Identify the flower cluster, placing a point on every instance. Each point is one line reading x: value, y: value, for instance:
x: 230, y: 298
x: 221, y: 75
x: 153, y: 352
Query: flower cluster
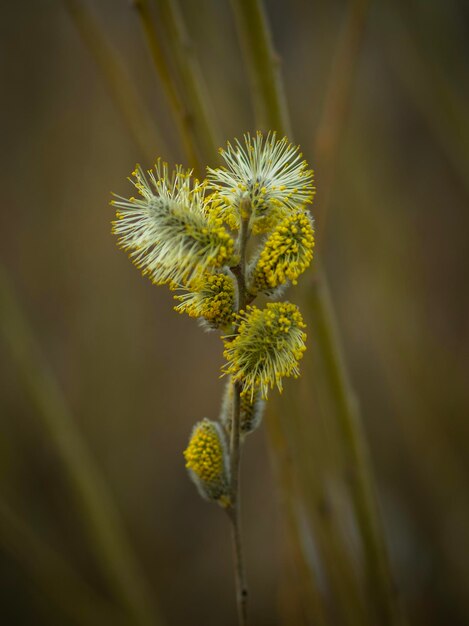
x: 211, y: 298
x: 206, y: 460
x: 286, y: 254
x: 169, y: 233
x: 267, y: 346
x: 194, y: 237
x: 270, y: 173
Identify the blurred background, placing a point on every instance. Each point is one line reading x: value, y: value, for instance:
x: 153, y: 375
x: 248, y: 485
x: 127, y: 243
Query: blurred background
x: 101, y: 381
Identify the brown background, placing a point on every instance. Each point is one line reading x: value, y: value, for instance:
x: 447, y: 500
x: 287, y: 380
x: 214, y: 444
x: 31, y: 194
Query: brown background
x: 137, y: 376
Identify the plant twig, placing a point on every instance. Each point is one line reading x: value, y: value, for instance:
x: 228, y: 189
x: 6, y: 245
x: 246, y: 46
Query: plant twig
x: 255, y: 33
x: 234, y: 510
x: 93, y: 498
x: 118, y: 81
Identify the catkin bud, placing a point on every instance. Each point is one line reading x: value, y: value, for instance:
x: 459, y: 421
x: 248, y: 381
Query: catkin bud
x: 251, y: 411
x: 207, y: 461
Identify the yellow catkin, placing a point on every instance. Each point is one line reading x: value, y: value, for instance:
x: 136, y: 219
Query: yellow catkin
x: 286, y: 254
x: 168, y: 231
x: 269, y: 173
x: 206, y: 460
x: 267, y: 347
x: 211, y: 297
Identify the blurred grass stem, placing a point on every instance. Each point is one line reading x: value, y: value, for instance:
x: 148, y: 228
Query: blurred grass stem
x: 181, y: 114
x: 202, y: 116
x: 307, y: 576
x: 52, y: 573
x: 263, y: 65
x: 181, y: 78
x: 336, y: 106
x: 317, y: 505
x: 118, y: 81
x: 263, y: 68
x: 93, y: 498
x: 328, y: 357
x: 429, y: 88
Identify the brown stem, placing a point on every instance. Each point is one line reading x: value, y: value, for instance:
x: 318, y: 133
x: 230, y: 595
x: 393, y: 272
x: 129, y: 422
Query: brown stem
x: 234, y: 511
x: 235, y: 452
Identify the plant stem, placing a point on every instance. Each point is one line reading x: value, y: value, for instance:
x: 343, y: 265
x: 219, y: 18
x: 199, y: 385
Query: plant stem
x: 118, y: 81
x: 234, y: 511
x: 255, y: 34
x: 93, y: 498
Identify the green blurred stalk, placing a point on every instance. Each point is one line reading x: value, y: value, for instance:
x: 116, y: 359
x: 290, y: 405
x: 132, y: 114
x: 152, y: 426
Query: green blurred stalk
x: 427, y: 85
x: 337, y: 101
x: 344, y: 603
x: 93, y: 498
x: 177, y: 66
x: 182, y: 115
x: 118, y: 81
x: 285, y: 475
x: 192, y: 82
x: 263, y: 66
x: 420, y: 396
x: 327, y: 358
x: 260, y: 59
x: 53, y: 575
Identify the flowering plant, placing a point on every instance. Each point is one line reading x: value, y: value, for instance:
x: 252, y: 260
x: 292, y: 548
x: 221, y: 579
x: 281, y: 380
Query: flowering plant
x: 195, y: 237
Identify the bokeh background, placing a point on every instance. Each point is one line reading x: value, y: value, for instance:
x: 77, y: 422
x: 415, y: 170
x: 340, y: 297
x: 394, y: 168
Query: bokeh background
x: 134, y: 376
